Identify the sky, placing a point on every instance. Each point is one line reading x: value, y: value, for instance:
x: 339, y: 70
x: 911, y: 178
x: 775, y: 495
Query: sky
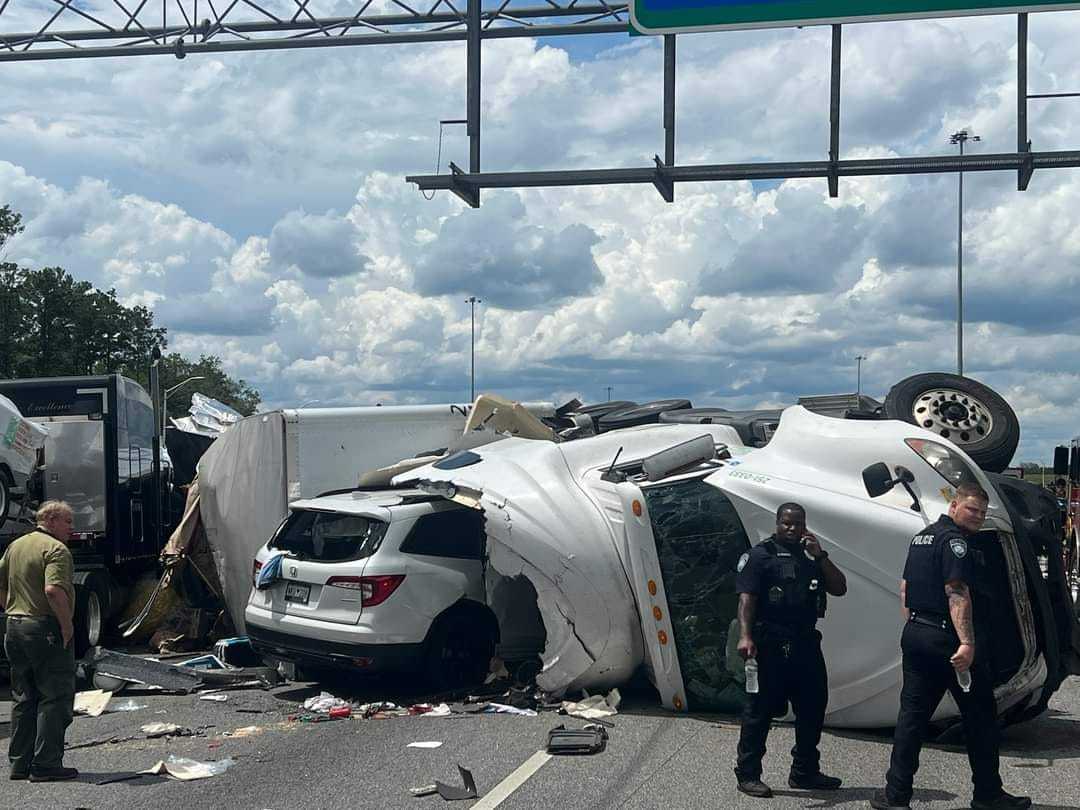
x: 257, y: 203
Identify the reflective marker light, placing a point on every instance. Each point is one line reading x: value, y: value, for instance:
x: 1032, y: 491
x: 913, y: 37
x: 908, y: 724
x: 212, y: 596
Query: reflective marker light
x: 636, y: 507
x: 652, y: 588
x: 662, y: 636
x: 677, y: 703
x: 657, y: 613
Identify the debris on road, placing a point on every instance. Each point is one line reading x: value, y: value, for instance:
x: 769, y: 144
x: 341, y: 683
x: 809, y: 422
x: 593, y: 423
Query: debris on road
x: 324, y: 702
x: 502, y: 708
x: 237, y: 652
x: 453, y: 793
x: 592, y: 739
x: 216, y: 697
x: 112, y: 738
x: 144, y: 671
x: 426, y: 790
x: 203, y: 662
x: 92, y: 703
x: 593, y: 707
x: 152, y: 730
x: 127, y: 705
x: 186, y: 769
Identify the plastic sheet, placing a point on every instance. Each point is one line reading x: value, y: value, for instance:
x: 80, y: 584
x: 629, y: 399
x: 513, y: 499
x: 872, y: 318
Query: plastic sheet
x: 186, y: 769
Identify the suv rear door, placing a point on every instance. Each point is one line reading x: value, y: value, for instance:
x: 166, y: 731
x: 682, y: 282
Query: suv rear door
x: 322, y: 548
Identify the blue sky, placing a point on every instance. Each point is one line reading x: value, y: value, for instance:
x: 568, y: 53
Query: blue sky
x: 257, y: 202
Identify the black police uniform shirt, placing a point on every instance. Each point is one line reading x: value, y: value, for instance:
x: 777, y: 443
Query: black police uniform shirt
x: 787, y: 582
x: 940, y: 553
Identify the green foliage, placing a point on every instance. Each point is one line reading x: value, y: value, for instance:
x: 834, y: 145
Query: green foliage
x: 215, y: 383
x: 52, y: 325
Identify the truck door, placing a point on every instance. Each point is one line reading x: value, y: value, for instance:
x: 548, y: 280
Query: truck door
x: 75, y: 468
x: 685, y: 539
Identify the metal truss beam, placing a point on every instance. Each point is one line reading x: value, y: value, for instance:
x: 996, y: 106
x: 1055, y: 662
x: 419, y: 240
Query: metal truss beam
x: 750, y: 171
x: 137, y: 33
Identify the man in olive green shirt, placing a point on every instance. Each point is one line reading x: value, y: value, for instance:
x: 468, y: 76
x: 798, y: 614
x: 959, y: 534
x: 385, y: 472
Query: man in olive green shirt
x: 38, y: 596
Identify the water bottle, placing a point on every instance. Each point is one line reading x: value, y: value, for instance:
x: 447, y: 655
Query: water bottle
x: 962, y: 678
x: 751, y: 676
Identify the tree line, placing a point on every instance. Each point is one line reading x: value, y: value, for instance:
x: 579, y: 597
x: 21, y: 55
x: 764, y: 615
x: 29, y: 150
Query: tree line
x: 53, y: 325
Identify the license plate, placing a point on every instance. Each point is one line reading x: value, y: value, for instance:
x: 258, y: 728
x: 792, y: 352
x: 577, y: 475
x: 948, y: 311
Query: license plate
x: 294, y: 592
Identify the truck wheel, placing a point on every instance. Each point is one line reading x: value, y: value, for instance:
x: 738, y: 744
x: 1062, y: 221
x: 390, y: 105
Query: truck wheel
x: 89, y: 618
x: 5, y: 496
x: 969, y: 414
x: 647, y: 414
x: 458, y: 651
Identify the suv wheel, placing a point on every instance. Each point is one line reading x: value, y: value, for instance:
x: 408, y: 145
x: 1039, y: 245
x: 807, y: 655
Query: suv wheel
x: 459, y: 651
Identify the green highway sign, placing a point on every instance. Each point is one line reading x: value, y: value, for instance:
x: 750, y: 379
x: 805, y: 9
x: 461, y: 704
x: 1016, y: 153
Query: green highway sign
x: 686, y: 16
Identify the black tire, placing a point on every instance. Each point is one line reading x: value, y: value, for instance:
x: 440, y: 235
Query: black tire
x: 90, y: 611
x: 459, y: 650
x: 969, y: 414
x: 696, y: 416
x: 602, y: 409
x: 647, y: 414
x: 5, y: 496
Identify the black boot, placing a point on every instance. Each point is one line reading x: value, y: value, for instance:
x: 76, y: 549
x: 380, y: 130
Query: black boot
x: 755, y: 788
x: 817, y: 781
x: 1006, y: 801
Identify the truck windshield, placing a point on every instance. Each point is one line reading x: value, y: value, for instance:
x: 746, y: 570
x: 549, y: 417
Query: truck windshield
x: 328, y: 536
x: 699, y: 539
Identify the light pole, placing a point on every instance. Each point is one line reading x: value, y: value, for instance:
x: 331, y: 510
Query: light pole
x: 165, y: 399
x: 858, y: 374
x: 472, y: 301
x: 609, y: 393
x: 959, y: 139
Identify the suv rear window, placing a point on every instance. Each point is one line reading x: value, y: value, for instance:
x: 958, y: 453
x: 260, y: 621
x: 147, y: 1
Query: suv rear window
x: 329, y: 537
x: 457, y: 533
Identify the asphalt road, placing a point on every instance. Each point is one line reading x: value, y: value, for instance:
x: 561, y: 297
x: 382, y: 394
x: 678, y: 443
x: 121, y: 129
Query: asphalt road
x: 654, y: 759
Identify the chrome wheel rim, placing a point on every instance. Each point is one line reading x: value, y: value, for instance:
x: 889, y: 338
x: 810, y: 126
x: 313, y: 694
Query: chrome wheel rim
x: 953, y: 415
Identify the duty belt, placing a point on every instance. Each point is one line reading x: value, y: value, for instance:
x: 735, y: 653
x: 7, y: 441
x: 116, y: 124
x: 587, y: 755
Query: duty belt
x: 931, y: 620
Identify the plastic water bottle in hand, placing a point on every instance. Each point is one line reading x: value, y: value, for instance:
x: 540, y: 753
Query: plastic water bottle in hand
x: 964, y: 679
x: 751, y: 676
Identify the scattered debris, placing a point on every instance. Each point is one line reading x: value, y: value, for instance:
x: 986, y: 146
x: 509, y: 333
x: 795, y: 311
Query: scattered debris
x: 112, y: 738
x: 442, y: 710
x: 498, y: 671
x: 237, y: 652
x: 203, y: 662
x: 425, y: 744
x: 186, y: 769
x: 452, y: 793
x: 324, y: 703
x: 426, y: 790
x: 592, y: 739
x: 502, y: 708
x: 368, y: 710
x: 594, y: 706
x: 217, y: 697
x: 92, y: 703
x: 144, y: 671
x: 152, y: 730
x: 127, y: 705
x: 244, y: 731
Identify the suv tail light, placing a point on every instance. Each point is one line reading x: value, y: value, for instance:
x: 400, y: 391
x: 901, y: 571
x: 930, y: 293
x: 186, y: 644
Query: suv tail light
x: 373, y: 590
x: 255, y: 566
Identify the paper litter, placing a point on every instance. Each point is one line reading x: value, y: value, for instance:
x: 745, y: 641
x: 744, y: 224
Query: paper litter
x: 92, y: 702
x: 324, y: 703
x: 594, y: 707
x: 186, y: 769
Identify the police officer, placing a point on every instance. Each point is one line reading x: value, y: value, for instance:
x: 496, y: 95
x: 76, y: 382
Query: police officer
x: 782, y: 584
x: 39, y: 598
x: 942, y: 641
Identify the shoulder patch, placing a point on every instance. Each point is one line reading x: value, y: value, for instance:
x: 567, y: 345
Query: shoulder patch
x: 959, y: 547
x: 743, y: 560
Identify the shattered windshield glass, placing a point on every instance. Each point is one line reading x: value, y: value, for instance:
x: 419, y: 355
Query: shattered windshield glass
x: 699, y: 539
x: 329, y: 537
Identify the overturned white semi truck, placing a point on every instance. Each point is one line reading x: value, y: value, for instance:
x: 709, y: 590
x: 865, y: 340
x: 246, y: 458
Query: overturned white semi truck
x: 631, y: 540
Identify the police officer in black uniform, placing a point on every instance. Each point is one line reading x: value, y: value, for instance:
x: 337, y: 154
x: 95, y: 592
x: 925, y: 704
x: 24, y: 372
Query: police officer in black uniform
x: 782, y: 584
x: 942, y: 641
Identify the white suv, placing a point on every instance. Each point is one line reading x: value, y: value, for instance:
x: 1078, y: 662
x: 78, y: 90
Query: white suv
x: 380, y: 581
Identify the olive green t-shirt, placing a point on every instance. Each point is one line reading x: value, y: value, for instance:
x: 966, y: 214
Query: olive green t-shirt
x: 30, y: 563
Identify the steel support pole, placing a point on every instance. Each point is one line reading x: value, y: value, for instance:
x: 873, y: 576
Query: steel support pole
x: 1023, y: 145
x: 834, y: 115
x: 661, y: 178
x: 473, y: 78
x: 960, y: 270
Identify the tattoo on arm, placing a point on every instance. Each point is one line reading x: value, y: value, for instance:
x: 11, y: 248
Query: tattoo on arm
x: 747, y: 610
x: 960, y: 610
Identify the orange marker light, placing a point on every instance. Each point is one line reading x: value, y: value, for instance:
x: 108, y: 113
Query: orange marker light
x: 657, y: 614
x: 662, y: 636
x: 636, y: 507
x: 652, y: 588
x: 677, y: 703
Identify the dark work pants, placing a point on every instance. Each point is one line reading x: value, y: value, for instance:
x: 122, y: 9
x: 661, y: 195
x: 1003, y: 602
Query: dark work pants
x: 42, y: 692
x: 797, y: 675
x: 927, y: 675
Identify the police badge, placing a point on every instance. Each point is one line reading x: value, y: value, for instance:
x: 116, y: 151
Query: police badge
x: 958, y: 546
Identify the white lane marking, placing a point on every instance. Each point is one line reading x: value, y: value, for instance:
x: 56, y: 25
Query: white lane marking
x: 511, y: 783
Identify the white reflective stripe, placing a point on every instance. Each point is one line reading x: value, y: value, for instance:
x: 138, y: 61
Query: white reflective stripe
x: 515, y: 780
